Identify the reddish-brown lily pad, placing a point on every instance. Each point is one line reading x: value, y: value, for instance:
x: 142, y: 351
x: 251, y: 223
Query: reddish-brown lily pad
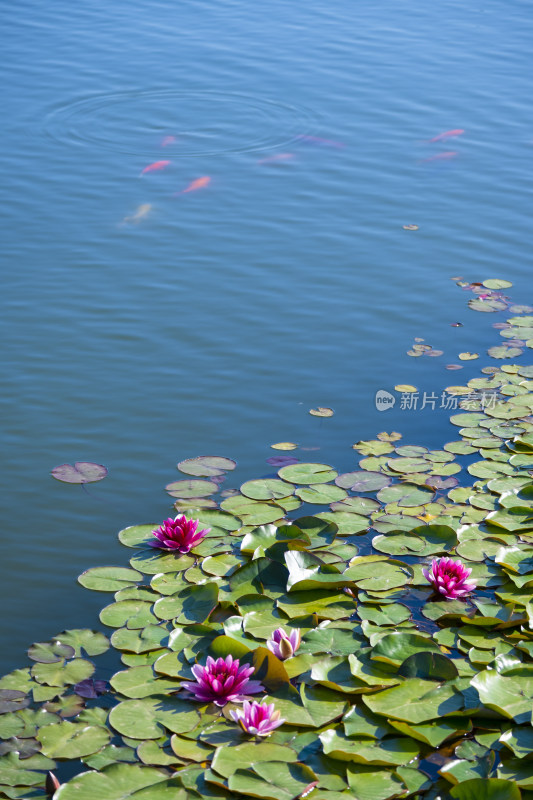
x: 79, y: 472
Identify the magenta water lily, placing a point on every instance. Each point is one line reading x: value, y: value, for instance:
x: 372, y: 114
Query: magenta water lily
x: 222, y: 681
x: 179, y: 534
x: 257, y: 718
x: 449, y: 578
x: 284, y: 645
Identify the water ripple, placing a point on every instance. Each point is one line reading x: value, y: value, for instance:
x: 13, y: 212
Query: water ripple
x: 199, y: 122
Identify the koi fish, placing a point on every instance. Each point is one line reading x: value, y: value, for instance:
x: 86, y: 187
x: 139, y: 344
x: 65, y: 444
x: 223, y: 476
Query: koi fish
x: 319, y: 141
x: 199, y: 183
x: 155, y: 166
x: 140, y: 214
x: 278, y: 157
x: 447, y: 135
x: 166, y: 140
x: 442, y: 156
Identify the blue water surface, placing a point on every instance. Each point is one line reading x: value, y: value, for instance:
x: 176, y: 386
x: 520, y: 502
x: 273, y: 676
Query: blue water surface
x: 217, y: 320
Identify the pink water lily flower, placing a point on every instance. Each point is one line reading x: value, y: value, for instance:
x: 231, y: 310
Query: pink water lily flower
x: 222, y: 681
x: 449, y: 578
x: 257, y: 719
x: 179, y: 534
x: 284, y: 645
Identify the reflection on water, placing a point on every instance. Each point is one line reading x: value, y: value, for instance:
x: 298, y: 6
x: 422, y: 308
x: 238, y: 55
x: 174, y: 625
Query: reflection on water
x: 142, y: 328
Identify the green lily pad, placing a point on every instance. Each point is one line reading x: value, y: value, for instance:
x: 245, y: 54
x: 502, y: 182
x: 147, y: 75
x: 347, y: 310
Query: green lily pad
x: 267, y: 489
x: 133, y: 613
x: 396, y: 647
x: 115, y: 782
x: 140, y: 641
x: 72, y: 739
x: 362, y: 481
x: 273, y: 781
x: 193, y: 604
x: 486, y: 789
x: 228, y: 760
x: 148, y: 717
x: 49, y: 652
x: 428, y: 666
x: 152, y: 561
x: 307, y: 473
x: 84, y: 641
x: 206, y: 466
x: 326, y: 604
x: 137, y: 535
x: 191, y: 488
x: 62, y: 673
x: 321, y: 494
x: 138, y: 682
x: 388, y: 752
x: 415, y: 701
x: 267, y: 535
x: 377, y: 573
x: 510, y: 695
x: 109, y: 579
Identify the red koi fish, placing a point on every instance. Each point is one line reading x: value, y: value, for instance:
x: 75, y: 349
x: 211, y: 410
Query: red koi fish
x: 166, y: 140
x: 447, y: 135
x: 155, y: 166
x: 199, y: 183
x: 277, y: 157
x: 442, y: 156
x: 319, y: 141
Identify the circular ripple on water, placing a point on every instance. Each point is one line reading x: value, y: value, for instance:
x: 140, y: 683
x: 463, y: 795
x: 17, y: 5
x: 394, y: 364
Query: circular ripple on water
x: 188, y: 123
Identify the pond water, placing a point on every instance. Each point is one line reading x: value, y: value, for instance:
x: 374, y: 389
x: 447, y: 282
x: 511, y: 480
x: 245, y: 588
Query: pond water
x: 144, y: 324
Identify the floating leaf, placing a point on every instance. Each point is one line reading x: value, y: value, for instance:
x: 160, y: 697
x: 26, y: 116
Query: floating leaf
x: 307, y: 473
x: 48, y: 652
x: 321, y: 411
x: 115, y: 782
x: 284, y: 446
x: 468, y: 356
x: 191, y: 488
x: 206, y: 466
x: 109, y: 579
x: 72, y: 740
x: 497, y: 283
x: 486, y: 789
x: 362, y: 481
x: 267, y: 489
x: 405, y: 388
x: 147, y: 718
x: 415, y: 701
x: 281, y: 461
x: 80, y: 472
x: 84, y: 641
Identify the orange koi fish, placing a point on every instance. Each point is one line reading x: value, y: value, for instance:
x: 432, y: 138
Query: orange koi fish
x: 278, y: 157
x: 155, y: 166
x: 447, y: 135
x: 199, y: 183
x: 442, y: 156
x: 166, y: 140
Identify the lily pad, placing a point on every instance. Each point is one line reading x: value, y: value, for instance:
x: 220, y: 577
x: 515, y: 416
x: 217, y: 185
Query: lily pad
x: 307, y: 473
x: 205, y: 466
x: 267, y: 489
x: 321, y: 411
x: 109, y: 579
x: 362, y: 481
x: 191, y: 488
x: 79, y: 472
